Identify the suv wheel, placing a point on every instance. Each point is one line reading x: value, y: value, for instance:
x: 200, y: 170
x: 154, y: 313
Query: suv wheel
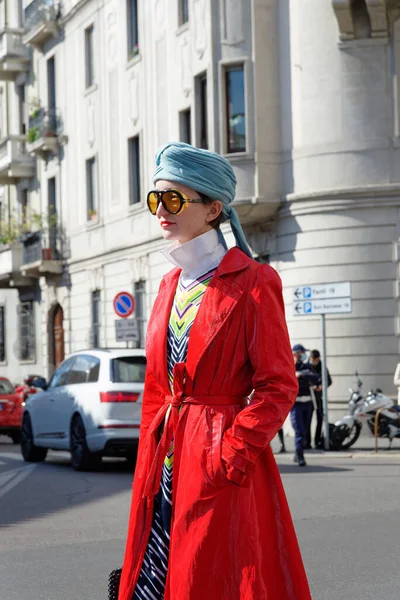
x: 30, y: 452
x: 81, y: 457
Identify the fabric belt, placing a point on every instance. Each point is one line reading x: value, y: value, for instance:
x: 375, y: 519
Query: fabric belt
x: 169, y: 413
x: 303, y: 398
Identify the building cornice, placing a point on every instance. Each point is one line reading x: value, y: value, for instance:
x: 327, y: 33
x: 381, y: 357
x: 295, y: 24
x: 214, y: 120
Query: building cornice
x: 369, y: 196
x: 380, y: 14
x: 73, y: 11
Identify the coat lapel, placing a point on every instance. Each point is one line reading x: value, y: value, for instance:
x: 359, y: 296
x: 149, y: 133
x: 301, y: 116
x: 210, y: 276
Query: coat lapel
x: 157, y: 330
x: 221, y: 297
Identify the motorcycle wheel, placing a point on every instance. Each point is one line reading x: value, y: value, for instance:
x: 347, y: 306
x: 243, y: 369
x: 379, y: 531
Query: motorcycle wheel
x: 352, y: 435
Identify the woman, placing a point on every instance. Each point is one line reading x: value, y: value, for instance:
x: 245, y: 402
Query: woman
x: 209, y: 518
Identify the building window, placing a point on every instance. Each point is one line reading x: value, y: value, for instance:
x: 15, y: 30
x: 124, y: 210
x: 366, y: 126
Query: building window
x: 2, y: 335
x: 24, y: 196
x: 20, y: 14
x: 52, y: 212
x: 185, y: 127
x: 89, y: 56
x: 201, y: 110
x: 91, y: 188
x: 21, y: 108
x: 183, y: 11
x: 134, y: 170
x: 140, y: 311
x: 51, y: 84
x: 235, y: 109
x: 27, y: 338
x: 133, y: 34
x: 96, y: 319
x: 84, y: 369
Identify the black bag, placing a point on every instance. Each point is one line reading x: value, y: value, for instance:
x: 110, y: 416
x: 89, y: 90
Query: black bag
x: 113, y: 584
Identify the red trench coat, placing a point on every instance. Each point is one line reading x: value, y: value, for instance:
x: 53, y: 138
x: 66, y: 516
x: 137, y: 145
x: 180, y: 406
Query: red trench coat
x: 232, y: 536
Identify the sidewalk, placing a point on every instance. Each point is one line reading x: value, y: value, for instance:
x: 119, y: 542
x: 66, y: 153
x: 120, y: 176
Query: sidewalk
x: 364, y: 447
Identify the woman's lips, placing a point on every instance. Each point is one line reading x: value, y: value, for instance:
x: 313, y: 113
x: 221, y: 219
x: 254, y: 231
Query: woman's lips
x: 166, y: 223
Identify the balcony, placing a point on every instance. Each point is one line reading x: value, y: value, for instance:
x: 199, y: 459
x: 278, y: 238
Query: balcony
x: 10, y: 267
x: 41, y: 22
x: 44, y: 134
x: 15, y: 162
x: 41, y: 253
x: 14, y: 56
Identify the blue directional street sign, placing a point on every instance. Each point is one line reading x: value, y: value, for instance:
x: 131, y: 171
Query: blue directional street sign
x: 322, y: 291
x: 322, y: 307
x: 307, y: 292
x: 307, y: 307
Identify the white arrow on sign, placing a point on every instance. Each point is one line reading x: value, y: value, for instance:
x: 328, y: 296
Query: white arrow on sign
x: 322, y: 307
x: 323, y: 291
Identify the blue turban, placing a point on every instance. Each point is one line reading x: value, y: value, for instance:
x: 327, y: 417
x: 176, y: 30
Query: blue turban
x: 206, y: 172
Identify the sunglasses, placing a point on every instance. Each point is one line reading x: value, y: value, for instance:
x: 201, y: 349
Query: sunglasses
x: 173, y: 201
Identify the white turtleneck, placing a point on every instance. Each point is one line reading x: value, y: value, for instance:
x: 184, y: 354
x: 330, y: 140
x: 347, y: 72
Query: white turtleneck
x: 196, y: 257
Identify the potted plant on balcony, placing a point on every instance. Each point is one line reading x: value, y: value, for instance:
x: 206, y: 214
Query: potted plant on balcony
x: 92, y: 214
x: 134, y: 51
x: 43, y: 228
x: 35, y: 106
x: 33, y: 134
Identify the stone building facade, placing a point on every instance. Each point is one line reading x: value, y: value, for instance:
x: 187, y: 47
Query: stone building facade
x: 302, y: 97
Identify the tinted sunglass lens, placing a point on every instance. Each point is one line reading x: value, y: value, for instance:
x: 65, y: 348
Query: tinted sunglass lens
x: 172, y: 201
x: 152, y: 202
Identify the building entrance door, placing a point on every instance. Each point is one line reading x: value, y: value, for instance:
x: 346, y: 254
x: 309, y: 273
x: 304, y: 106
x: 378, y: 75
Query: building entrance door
x: 58, y: 336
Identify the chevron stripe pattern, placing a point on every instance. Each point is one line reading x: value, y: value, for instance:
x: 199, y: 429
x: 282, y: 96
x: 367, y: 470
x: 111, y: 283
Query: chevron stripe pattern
x: 153, y: 575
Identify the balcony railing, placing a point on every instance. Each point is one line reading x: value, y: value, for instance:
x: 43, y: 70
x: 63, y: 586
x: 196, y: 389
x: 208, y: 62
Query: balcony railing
x: 41, y: 18
x: 15, y: 162
x: 42, y: 252
x: 46, y: 122
x: 45, y: 126
x: 41, y: 246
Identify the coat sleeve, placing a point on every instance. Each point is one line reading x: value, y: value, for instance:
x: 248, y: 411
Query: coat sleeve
x: 274, y: 379
x: 310, y: 376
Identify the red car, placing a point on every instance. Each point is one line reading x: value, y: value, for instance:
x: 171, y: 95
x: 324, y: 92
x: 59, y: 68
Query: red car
x: 10, y: 410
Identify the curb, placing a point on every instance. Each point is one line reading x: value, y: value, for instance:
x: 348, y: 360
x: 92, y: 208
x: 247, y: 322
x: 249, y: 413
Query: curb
x: 345, y: 455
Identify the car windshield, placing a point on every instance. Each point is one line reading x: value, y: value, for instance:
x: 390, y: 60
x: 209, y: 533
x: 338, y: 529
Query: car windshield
x: 128, y: 369
x: 6, y: 387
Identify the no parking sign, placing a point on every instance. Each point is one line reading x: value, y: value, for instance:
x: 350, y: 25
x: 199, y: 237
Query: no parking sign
x: 124, y: 304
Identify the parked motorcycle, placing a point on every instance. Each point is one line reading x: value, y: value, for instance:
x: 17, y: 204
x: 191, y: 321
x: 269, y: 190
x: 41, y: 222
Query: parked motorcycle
x: 375, y: 409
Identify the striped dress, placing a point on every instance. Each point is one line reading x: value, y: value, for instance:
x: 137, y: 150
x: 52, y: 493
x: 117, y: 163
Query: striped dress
x: 153, y: 575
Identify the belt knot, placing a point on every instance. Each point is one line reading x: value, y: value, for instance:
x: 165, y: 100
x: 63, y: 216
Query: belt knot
x: 176, y: 400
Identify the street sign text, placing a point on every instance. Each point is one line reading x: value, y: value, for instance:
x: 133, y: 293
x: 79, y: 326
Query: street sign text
x: 321, y: 292
x: 126, y: 330
x: 322, y: 307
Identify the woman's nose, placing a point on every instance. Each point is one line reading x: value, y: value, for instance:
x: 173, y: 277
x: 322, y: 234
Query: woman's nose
x: 161, y: 212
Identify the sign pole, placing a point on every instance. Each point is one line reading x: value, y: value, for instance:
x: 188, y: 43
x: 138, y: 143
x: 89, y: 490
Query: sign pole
x: 324, y: 384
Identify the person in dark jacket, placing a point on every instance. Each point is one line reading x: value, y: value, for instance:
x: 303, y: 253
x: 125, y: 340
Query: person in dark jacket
x: 301, y: 412
x: 282, y: 449
x: 315, y: 360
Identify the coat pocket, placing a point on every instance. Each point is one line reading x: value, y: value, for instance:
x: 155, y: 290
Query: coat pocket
x: 217, y: 423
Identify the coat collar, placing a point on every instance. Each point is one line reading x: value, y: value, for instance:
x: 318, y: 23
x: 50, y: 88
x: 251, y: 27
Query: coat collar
x: 221, y: 297
x: 198, y: 256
